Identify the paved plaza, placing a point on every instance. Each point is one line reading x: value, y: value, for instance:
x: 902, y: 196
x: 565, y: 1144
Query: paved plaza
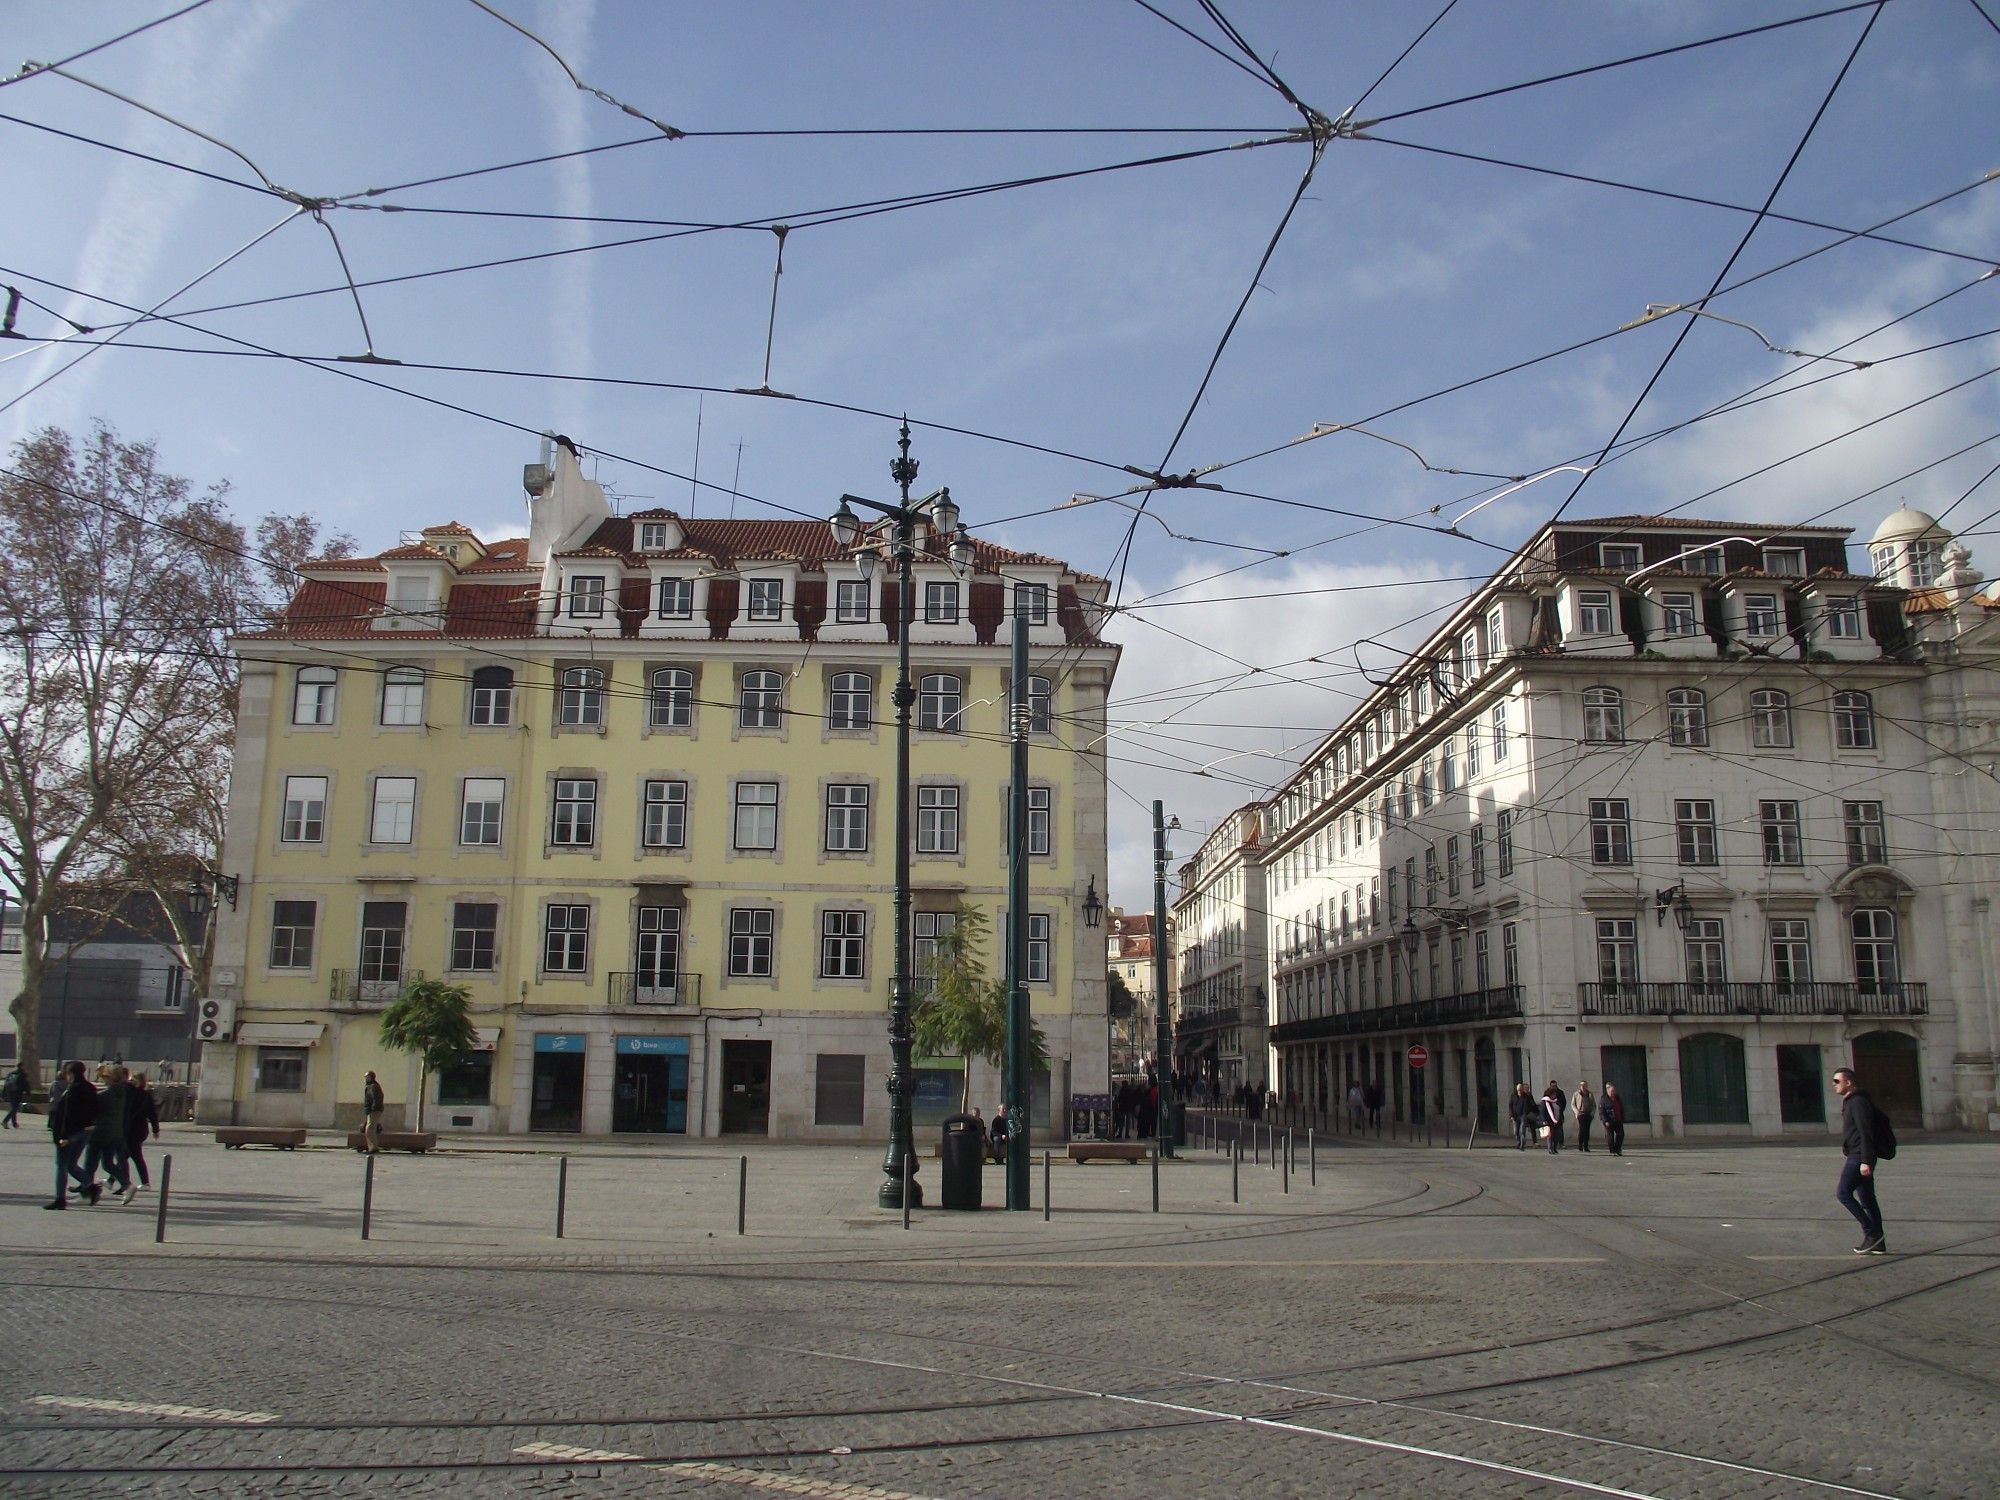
x: 1685, y: 1321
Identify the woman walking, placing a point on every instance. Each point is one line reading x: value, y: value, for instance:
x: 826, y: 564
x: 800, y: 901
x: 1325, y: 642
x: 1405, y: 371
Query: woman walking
x: 142, y: 1114
x: 1554, y: 1107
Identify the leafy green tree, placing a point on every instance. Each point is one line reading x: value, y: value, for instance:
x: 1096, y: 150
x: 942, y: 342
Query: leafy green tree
x: 964, y: 1013
x: 433, y: 1020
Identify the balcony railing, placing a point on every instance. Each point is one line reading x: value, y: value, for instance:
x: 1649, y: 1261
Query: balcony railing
x: 1500, y: 1003
x: 1214, y: 1018
x: 681, y: 989
x: 1833, y: 998
x: 349, y: 988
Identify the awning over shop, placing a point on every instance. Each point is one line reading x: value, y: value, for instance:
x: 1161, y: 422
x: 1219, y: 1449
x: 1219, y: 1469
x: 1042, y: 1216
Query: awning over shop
x: 489, y: 1038
x: 280, y: 1033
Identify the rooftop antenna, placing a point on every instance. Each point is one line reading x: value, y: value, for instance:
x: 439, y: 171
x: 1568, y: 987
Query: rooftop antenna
x: 694, y: 480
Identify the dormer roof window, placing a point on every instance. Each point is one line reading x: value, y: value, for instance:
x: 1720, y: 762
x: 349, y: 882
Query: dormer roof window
x: 1790, y: 561
x: 586, y: 596
x: 652, y: 536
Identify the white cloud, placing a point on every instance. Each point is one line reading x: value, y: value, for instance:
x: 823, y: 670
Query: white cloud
x: 567, y: 26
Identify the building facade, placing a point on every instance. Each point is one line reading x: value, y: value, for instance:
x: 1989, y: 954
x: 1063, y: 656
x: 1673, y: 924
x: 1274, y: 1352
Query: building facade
x: 630, y: 780
x: 1222, y: 1018
x: 1689, y: 808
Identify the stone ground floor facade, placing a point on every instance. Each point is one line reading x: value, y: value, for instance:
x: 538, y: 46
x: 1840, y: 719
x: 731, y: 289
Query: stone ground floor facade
x: 792, y: 1075
x: 1679, y: 1076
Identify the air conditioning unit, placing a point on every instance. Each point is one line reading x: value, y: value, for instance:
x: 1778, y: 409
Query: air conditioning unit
x: 215, y: 1020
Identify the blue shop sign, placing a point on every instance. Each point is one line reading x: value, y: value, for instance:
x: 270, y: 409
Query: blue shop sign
x: 559, y: 1041
x: 670, y: 1046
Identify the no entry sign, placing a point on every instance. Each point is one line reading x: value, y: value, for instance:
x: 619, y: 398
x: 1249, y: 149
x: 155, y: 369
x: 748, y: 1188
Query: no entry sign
x: 1418, y: 1056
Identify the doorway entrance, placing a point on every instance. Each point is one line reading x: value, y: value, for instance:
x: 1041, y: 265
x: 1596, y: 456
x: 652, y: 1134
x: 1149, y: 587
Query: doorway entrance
x: 557, y: 1099
x: 1887, y: 1064
x: 649, y: 1088
x: 1486, y: 1072
x: 746, y: 1088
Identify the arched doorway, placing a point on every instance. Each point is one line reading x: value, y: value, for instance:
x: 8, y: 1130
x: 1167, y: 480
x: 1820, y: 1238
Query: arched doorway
x: 1487, y: 1080
x: 1891, y: 1071
x: 1714, y: 1087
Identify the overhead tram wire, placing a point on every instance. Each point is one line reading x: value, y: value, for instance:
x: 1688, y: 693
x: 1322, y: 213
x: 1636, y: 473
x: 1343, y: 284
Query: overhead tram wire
x: 1619, y: 62
x: 123, y: 36
x: 1742, y: 244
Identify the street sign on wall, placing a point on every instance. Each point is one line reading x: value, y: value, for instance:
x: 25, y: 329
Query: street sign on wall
x: 1418, y: 1056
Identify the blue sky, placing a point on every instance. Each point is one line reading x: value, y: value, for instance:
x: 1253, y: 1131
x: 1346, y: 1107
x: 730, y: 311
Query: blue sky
x: 1076, y: 316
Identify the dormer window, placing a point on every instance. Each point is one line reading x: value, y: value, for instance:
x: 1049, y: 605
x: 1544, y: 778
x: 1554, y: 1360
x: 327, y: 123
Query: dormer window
x: 1843, y: 619
x: 652, y: 536
x: 767, y: 599
x: 1621, y: 556
x: 1760, y: 616
x: 1790, y: 561
x: 1707, y: 560
x: 850, y: 601
x: 1593, y: 612
x: 940, y: 604
x: 586, y: 596
x: 1677, y: 614
x: 1031, y: 602
x: 676, y: 599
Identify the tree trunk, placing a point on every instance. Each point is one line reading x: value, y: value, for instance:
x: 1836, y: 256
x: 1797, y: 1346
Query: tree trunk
x: 26, y: 1008
x: 423, y: 1088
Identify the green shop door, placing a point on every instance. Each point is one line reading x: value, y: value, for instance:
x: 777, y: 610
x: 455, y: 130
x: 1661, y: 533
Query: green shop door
x: 649, y: 1089
x: 1714, y: 1088
x: 557, y: 1100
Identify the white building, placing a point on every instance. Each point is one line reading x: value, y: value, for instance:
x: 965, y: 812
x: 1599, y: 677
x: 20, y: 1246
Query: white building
x: 1222, y: 1022
x: 1688, y: 807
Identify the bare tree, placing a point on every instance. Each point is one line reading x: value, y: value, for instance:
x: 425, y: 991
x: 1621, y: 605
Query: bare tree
x: 119, y: 590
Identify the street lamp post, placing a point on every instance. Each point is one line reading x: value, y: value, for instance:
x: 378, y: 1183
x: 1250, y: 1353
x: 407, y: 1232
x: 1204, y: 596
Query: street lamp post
x: 1163, y: 1043
x: 900, y: 1164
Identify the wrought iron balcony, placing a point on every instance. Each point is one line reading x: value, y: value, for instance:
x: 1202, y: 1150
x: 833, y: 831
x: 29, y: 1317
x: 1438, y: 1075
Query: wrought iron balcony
x: 1214, y: 1018
x: 1902, y: 998
x: 1500, y: 1003
x: 680, y: 990
x: 350, y: 988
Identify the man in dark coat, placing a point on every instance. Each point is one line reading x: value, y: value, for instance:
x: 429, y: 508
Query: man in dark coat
x: 72, y: 1112
x: 107, y: 1138
x: 1860, y: 1144
x: 1611, y: 1115
x: 1524, y: 1111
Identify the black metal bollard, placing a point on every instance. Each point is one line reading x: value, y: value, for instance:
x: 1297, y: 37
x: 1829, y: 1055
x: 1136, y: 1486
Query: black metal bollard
x: 1236, y: 1173
x: 1288, y: 1161
x: 742, y: 1190
x: 562, y: 1192
x: 160, y: 1217
x: 367, y: 1197
x: 1045, y: 1187
x: 1312, y: 1157
x: 906, y: 1191
x: 1156, y: 1175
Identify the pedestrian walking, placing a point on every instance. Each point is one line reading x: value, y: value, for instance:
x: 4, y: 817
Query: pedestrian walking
x: 14, y: 1093
x: 72, y: 1110
x: 1866, y: 1139
x: 142, y: 1117
x: 371, y: 1115
x: 107, y: 1138
x: 1372, y: 1096
x: 1523, y: 1111
x: 1611, y: 1115
x: 1356, y: 1103
x: 1585, y: 1105
x: 1554, y: 1108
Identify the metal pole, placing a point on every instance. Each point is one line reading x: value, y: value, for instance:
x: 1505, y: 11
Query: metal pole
x: 1156, y: 1173
x: 1163, y: 1034
x: 1236, y: 1172
x: 1017, y: 928
x: 1045, y: 1186
x: 742, y: 1191
x: 166, y: 1182
x: 562, y: 1193
x: 906, y: 1191
x: 367, y: 1197
x: 1312, y: 1156
x: 1288, y: 1161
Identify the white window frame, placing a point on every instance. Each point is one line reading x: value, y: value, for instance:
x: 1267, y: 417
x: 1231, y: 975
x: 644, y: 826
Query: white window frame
x: 1678, y: 613
x: 573, y: 813
x: 1596, y: 612
x: 493, y: 698
x: 1032, y: 600
x: 843, y: 698
x: 761, y: 700
x: 305, y: 811
x: 1853, y: 721
x: 849, y: 816
x: 853, y: 601
x: 938, y: 810
x: 754, y: 823
x: 1040, y: 821
x: 1687, y: 718
x: 1041, y: 927
x: 1865, y: 832
x: 1610, y: 831
x: 1770, y: 719
x: 315, y: 692
x: 753, y: 934
x: 482, y: 802
x: 1695, y: 841
x: 940, y: 602
x: 584, y: 599
x: 392, y: 810
x: 1763, y: 617
x: 843, y: 945
x: 580, y: 698
x: 403, y: 697
x: 295, y: 954
x: 1843, y: 618
x: 1603, y: 716
x: 670, y: 698
x: 566, y: 938
x: 1779, y: 819
x: 663, y: 813
x: 941, y: 703
x: 765, y: 600
x: 674, y: 600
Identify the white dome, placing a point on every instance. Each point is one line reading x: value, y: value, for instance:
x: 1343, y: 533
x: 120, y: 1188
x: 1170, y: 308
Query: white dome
x: 1908, y: 525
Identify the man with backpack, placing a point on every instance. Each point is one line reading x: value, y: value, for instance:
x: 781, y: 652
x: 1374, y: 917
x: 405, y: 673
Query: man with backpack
x: 1865, y: 1139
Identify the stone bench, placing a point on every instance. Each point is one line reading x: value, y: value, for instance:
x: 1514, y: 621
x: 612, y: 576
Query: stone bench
x: 284, y: 1137
x: 396, y: 1140
x: 1126, y: 1151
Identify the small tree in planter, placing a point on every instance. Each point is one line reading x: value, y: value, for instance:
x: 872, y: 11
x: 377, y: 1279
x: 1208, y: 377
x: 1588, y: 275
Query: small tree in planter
x: 965, y: 1014
x: 433, y: 1020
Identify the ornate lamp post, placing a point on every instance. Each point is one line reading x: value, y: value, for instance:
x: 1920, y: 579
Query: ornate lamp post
x: 900, y: 1163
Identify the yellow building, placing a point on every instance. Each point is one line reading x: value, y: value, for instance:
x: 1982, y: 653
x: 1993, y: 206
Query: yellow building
x: 630, y: 780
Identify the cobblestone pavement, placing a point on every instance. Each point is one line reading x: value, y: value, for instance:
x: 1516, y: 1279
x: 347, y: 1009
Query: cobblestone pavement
x: 1685, y: 1321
